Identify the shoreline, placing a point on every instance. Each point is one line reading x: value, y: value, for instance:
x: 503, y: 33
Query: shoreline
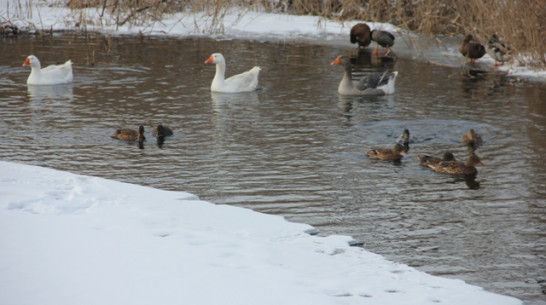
x: 252, y: 25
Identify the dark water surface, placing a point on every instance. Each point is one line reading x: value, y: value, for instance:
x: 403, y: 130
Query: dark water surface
x: 297, y: 149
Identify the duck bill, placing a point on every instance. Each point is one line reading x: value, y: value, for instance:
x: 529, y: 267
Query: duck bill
x: 27, y: 62
x: 481, y: 163
x: 209, y: 60
x: 335, y: 62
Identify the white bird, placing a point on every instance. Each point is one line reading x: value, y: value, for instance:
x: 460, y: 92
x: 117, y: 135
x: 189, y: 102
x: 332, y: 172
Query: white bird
x: 50, y: 75
x: 244, y: 82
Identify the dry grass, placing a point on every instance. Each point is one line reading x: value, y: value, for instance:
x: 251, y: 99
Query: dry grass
x: 521, y: 23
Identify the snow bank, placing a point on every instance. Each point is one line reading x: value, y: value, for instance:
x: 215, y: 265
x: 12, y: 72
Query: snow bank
x: 71, y: 239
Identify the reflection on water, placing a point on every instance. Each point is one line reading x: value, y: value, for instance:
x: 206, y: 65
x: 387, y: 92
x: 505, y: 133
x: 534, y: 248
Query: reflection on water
x: 297, y: 149
x: 46, y: 94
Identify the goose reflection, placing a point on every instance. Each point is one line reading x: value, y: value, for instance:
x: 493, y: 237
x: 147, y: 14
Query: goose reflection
x: 219, y: 100
x: 50, y: 93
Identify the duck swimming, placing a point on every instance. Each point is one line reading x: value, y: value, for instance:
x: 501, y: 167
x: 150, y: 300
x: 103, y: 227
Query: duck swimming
x: 471, y: 138
x: 371, y: 85
x: 162, y: 131
x: 130, y: 134
x: 387, y: 154
x: 458, y: 167
x: 428, y: 161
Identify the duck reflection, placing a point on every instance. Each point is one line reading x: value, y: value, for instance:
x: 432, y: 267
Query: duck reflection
x: 365, y: 58
x: 471, y: 182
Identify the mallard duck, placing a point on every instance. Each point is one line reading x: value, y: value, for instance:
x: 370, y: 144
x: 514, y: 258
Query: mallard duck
x: 243, y: 82
x: 387, y: 154
x: 471, y: 138
x: 498, y: 50
x: 471, y: 48
x: 405, y: 137
x: 427, y: 161
x: 458, y: 167
x: 50, y: 75
x: 360, y: 33
x: 375, y: 84
x: 130, y: 134
x: 384, y: 39
x: 162, y: 131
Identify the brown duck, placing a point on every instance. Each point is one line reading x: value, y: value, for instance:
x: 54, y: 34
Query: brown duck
x: 471, y: 48
x: 130, y: 134
x: 471, y: 138
x: 360, y: 33
x: 162, y: 131
x: 387, y: 154
x: 498, y: 50
x: 458, y: 167
x: 384, y: 39
x: 428, y: 161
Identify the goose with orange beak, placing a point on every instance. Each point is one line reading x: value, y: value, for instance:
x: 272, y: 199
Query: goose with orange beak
x: 244, y: 82
x: 50, y: 75
x: 371, y: 85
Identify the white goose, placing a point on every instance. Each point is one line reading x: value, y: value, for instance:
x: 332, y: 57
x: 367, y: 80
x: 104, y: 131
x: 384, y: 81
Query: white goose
x: 50, y: 75
x: 244, y: 82
x: 374, y: 84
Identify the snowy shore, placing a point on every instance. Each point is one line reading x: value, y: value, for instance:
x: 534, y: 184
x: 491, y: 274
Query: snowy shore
x: 72, y: 239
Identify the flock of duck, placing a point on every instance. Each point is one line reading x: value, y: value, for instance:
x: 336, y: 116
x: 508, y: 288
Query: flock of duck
x: 446, y: 164
x: 374, y: 84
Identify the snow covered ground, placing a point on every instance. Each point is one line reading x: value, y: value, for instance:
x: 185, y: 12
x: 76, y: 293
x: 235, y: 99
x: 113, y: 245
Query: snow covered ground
x: 71, y: 239
x: 52, y: 14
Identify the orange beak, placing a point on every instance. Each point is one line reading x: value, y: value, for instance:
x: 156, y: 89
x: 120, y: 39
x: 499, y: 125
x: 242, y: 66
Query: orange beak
x: 481, y: 163
x: 27, y: 62
x: 209, y: 60
x: 335, y: 62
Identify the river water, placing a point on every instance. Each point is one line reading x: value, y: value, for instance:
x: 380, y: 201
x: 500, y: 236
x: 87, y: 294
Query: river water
x: 295, y: 148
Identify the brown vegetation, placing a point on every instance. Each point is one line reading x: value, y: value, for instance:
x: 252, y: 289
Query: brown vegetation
x: 520, y: 23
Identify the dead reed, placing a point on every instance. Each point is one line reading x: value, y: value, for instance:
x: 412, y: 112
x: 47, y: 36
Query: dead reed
x: 521, y: 23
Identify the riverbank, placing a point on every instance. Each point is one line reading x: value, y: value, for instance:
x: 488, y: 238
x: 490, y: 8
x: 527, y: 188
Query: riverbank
x: 72, y: 239
x: 49, y: 16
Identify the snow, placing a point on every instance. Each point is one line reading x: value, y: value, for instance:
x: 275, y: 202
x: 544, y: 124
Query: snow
x: 53, y: 15
x: 72, y: 239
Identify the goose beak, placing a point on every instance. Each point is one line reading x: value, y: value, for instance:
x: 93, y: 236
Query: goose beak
x: 335, y: 62
x: 27, y: 62
x: 209, y: 60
